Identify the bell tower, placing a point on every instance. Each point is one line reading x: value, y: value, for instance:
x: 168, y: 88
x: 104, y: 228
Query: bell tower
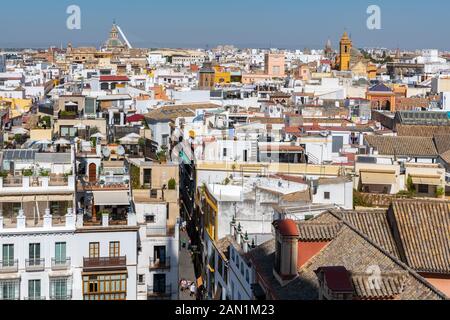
x: 345, y: 52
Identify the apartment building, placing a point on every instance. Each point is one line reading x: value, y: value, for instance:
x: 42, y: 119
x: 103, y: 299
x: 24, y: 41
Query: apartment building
x: 51, y: 252
x: 155, y: 194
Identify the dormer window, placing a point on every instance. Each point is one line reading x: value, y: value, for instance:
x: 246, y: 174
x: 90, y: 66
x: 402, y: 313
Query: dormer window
x: 334, y: 283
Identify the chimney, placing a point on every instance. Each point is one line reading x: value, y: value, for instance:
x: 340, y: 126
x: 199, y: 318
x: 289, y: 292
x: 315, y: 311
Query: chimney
x: 286, y: 251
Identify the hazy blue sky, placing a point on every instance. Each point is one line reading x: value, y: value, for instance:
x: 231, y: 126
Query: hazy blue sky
x: 245, y: 23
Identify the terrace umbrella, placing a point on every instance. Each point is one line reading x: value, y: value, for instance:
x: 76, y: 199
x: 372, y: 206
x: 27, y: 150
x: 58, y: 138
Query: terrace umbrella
x: 62, y: 142
x: 98, y: 135
x: 20, y: 131
x: 44, y: 142
x: 127, y: 140
x: 133, y: 136
x: 80, y: 126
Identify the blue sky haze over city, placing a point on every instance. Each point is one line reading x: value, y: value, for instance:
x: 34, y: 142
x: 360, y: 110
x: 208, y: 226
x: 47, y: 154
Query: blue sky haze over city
x: 251, y: 23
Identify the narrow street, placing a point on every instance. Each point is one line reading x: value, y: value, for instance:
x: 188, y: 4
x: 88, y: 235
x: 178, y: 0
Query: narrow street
x: 186, y: 268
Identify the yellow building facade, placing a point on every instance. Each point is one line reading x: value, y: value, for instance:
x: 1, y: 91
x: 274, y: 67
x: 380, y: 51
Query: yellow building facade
x: 221, y: 76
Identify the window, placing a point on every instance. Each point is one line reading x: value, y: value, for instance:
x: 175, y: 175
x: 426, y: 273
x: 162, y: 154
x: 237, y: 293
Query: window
x: 105, y: 287
x: 114, y: 249
x: 232, y: 255
x: 34, y: 289
x: 247, y: 276
x: 159, y: 254
x: 159, y: 283
x: 9, y: 290
x: 8, y: 255
x: 60, y: 253
x: 94, y: 250
x: 423, y: 188
x: 141, y: 279
x: 147, y: 177
x: 34, y: 254
x: 225, y: 152
x: 59, y: 289
x: 150, y: 218
x: 242, y: 269
x: 165, y: 139
x: 326, y: 195
x: 16, y: 208
x: 153, y: 193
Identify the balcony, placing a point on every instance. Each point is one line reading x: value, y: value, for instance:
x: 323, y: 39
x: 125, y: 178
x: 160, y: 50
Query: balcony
x: 60, y: 264
x: 12, y: 182
x: 105, y: 263
x: 68, y: 115
x: 156, y: 231
x: 58, y: 181
x: 35, y: 298
x: 61, y: 297
x: 25, y: 184
x: 158, y: 292
x: 158, y: 264
x: 35, y: 265
x: 9, y: 266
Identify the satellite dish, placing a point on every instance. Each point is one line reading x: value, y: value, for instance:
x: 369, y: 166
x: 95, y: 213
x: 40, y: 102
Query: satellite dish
x: 121, y: 151
x: 106, y: 152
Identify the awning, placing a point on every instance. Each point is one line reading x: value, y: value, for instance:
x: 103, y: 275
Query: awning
x: 377, y: 178
x: 54, y: 198
x: 427, y: 180
x: 111, y: 198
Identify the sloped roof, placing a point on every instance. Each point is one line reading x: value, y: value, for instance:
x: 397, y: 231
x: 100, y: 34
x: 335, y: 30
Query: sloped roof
x: 380, y: 87
x: 442, y: 143
x: 349, y: 249
x: 421, y: 130
x: 424, y: 231
x: 403, y: 146
x: 375, y: 225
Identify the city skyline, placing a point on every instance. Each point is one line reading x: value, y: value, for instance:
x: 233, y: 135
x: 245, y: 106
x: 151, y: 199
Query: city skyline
x: 246, y: 25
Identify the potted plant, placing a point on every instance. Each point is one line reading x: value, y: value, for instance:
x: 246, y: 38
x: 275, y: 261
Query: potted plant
x: 44, y: 173
x: 27, y: 172
x: 172, y: 184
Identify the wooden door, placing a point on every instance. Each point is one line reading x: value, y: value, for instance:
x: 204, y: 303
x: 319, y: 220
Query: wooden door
x: 92, y: 172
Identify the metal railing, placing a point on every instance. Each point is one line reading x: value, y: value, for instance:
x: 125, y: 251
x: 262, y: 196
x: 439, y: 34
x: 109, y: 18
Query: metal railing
x: 105, y: 262
x: 35, y: 298
x: 34, y: 265
x: 8, y: 266
x: 160, y: 263
x: 60, y: 264
x: 58, y: 181
x: 156, y: 231
x: 159, y: 291
x: 61, y: 297
x: 12, y: 182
